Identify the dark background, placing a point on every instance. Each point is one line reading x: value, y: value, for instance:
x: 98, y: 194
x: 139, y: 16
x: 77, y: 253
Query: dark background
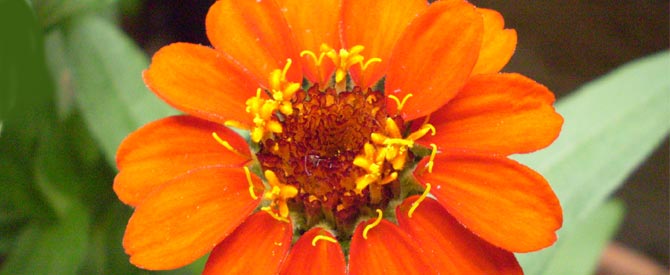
x: 562, y: 44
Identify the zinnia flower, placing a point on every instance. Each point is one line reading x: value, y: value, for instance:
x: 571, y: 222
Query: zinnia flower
x: 375, y: 138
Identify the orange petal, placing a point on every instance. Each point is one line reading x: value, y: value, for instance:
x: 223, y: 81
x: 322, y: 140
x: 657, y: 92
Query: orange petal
x: 498, y: 44
x: 257, y: 247
x: 455, y: 250
x: 309, y: 256
x: 501, y: 201
x: 167, y: 148
x: 376, y: 25
x: 497, y: 113
x: 197, y: 80
x: 313, y: 23
x: 186, y: 218
x: 434, y: 57
x: 255, y: 35
x: 387, y: 250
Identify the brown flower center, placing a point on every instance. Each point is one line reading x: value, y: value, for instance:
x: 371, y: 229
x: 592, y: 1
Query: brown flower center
x: 316, y: 149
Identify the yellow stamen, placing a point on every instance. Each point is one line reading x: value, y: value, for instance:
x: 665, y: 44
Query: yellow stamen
x: 279, y: 194
x: 372, y: 161
x: 282, y: 90
x: 251, y: 184
x: 273, y: 214
x: 236, y: 124
x: 324, y: 238
x: 399, y: 141
x: 370, y: 61
x: 423, y: 130
x: 393, y: 176
x: 227, y: 145
x: 396, y: 147
x: 398, y: 102
x: 418, y: 201
x: 318, y: 60
x: 373, y: 224
x: 342, y: 59
x: 286, y: 67
x: 263, y: 110
x: 431, y: 162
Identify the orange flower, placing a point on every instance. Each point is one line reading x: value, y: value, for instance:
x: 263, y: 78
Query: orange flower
x: 383, y: 127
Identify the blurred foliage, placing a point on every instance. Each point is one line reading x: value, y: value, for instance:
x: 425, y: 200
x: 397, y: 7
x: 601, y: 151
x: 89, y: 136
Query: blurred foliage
x: 612, y: 124
x: 71, y: 89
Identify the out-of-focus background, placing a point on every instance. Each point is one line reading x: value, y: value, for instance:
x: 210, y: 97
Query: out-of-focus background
x: 73, y: 73
x: 561, y: 44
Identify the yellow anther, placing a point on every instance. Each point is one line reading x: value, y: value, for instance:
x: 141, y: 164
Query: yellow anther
x: 418, y: 201
x: 392, y: 129
x: 227, y: 145
x: 342, y: 59
x: 431, y: 162
x: 423, y: 130
x: 398, y: 102
x: 286, y: 67
x: 355, y: 50
x: 317, y: 60
x: 399, y: 141
x: 269, y: 210
x: 251, y: 183
x: 282, y: 92
x: 378, y: 138
x: 236, y: 124
x: 393, y: 176
x: 254, y: 104
x: 373, y: 224
x: 370, y: 61
x: 323, y: 238
x: 278, y: 77
x: 372, y: 161
x: 279, y: 193
x: 364, y: 181
x: 273, y: 126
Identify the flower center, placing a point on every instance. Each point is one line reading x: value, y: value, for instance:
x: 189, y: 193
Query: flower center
x: 316, y: 150
x: 329, y: 152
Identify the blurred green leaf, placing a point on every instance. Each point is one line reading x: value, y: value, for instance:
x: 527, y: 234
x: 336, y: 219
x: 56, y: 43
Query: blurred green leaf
x: 50, y: 248
x: 61, y: 71
x: 107, y: 77
x: 58, y: 247
x: 16, y: 202
x: 579, y: 253
x: 25, y: 90
x: 51, y: 12
x: 19, y: 199
x: 611, y: 125
x: 57, y: 171
x: 105, y: 254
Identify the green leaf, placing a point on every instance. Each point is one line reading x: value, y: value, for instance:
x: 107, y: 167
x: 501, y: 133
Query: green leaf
x: 24, y: 85
x: 579, y: 254
x: 56, y: 247
x: 52, y: 12
x: 17, y: 202
x: 611, y: 125
x: 61, y: 71
x: 107, y: 78
x: 50, y: 248
x: 106, y: 254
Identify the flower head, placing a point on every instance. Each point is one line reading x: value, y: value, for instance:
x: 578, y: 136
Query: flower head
x: 377, y: 128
